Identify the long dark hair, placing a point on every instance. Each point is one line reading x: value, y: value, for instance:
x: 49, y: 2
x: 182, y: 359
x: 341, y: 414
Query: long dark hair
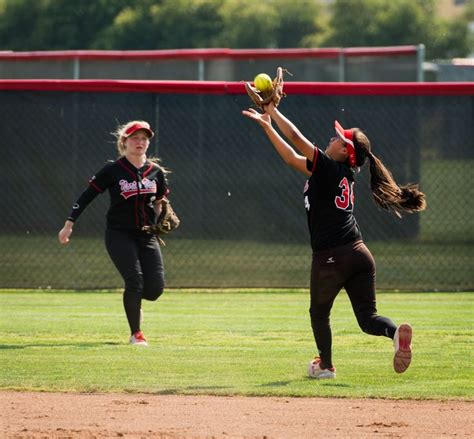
x: 387, y: 193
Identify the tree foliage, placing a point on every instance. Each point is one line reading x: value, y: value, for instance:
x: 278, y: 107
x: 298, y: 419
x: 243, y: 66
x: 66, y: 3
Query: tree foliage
x: 401, y: 22
x: 54, y: 24
x: 173, y: 24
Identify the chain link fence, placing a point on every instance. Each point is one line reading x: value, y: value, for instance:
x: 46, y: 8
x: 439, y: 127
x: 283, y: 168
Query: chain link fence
x: 243, y: 219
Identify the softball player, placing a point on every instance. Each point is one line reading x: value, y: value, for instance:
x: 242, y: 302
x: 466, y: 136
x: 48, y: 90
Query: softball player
x: 135, y: 184
x: 340, y: 257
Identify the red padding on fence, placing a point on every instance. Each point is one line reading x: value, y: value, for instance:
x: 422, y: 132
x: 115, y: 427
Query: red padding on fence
x: 222, y: 88
x: 189, y: 54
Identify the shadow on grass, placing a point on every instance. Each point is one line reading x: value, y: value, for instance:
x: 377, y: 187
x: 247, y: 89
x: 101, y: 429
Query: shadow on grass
x: 87, y: 345
x: 184, y: 390
x: 329, y: 383
x: 275, y: 384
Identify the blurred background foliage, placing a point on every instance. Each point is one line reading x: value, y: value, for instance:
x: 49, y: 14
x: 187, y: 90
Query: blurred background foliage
x: 27, y: 25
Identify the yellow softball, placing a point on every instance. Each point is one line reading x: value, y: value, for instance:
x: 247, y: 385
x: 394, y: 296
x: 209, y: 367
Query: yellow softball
x: 263, y: 82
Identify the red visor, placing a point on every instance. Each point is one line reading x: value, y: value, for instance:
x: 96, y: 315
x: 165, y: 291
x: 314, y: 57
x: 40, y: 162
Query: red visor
x: 138, y: 126
x: 347, y: 137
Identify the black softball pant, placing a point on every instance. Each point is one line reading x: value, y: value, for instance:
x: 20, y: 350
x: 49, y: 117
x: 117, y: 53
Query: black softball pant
x: 137, y: 256
x: 352, y: 267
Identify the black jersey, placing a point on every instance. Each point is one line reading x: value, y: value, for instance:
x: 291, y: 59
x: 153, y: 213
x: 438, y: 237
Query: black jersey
x: 329, y: 203
x: 132, y: 192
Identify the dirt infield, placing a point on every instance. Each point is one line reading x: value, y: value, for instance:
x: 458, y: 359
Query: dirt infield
x: 59, y: 415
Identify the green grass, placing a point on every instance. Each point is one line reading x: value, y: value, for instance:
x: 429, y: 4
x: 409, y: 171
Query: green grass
x: 226, y: 342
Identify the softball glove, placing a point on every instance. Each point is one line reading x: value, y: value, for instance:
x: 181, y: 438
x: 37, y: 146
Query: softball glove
x: 166, y: 222
x: 262, y: 98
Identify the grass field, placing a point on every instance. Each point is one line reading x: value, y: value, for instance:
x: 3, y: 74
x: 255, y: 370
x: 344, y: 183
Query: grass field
x: 229, y: 342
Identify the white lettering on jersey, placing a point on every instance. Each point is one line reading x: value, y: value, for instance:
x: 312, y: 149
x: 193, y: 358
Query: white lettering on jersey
x: 306, y: 199
x: 129, y: 189
x: 306, y: 203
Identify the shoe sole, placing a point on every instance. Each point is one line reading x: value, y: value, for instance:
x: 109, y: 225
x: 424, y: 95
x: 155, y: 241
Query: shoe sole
x: 323, y: 375
x: 402, y: 358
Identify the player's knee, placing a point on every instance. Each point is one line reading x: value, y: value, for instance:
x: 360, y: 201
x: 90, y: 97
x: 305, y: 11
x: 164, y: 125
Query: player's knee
x: 366, y: 322
x: 153, y: 289
x: 134, y: 284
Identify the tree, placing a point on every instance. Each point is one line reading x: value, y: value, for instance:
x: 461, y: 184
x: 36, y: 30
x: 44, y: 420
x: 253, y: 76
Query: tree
x: 297, y: 20
x: 173, y: 24
x: 248, y: 24
x: 169, y: 24
x: 401, y: 22
x: 54, y: 24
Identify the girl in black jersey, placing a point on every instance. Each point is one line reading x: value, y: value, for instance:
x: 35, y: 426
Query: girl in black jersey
x: 136, y: 184
x: 340, y: 257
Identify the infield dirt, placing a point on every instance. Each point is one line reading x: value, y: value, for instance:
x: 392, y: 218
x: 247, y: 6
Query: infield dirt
x: 78, y: 415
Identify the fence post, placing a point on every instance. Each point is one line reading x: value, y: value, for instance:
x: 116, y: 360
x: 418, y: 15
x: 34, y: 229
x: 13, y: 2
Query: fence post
x: 76, y: 68
x: 420, y: 59
x: 341, y: 71
x: 201, y: 69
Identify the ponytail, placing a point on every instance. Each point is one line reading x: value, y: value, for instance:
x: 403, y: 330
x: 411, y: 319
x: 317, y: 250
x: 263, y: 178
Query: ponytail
x: 388, y: 194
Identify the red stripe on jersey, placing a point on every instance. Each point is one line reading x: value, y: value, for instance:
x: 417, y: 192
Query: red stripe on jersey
x: 316, y: 151
x: 97, y: 188
x: 148, y: 170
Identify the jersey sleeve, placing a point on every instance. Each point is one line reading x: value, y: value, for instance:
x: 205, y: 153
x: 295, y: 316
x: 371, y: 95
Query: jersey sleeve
x: 103, y: 179
x: 97, y: 184
x: 319, y: 163
x: 162, y: 189
x: 311, y: 164
x: 82, y: 202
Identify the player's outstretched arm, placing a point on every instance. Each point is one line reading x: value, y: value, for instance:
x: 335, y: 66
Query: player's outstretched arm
x: 286, y: 152
x: 291, y: 132
x: 65, y: 232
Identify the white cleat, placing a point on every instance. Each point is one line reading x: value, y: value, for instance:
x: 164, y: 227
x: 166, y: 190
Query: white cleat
x: 315, y: 371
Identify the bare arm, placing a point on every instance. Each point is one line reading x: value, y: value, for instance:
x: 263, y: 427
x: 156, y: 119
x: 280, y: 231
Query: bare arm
x: 286, y: 152
x: 291, y: 132
x: 157, y: 207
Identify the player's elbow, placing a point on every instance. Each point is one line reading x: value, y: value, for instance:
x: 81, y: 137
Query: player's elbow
x: 293, y: 135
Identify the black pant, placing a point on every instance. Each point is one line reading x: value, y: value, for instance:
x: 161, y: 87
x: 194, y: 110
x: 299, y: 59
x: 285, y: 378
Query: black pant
x: 138, y: 258
x: 352, y: 267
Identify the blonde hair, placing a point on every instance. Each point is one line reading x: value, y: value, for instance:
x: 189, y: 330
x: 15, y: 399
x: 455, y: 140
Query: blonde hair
x: 121, y: 130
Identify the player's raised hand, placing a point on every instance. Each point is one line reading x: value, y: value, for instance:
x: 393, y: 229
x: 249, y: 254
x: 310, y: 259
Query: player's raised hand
x: 262, y: 118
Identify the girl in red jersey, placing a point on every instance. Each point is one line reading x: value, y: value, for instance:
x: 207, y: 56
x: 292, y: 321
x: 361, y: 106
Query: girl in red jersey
x: 136, y: 186
x: 340, y: 257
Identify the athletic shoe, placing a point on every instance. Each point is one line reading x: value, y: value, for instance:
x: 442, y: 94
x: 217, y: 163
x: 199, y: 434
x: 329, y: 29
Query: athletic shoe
x: 315, y: 371
x: 138, y: 339
x: 402, y: 346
